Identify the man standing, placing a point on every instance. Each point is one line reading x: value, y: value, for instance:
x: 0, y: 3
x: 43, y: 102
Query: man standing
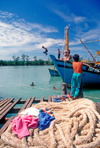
x: 76, y: 77
x: 59, y: 52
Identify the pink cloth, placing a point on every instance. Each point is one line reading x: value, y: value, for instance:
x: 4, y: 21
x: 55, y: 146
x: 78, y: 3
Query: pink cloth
x: 20, y: 125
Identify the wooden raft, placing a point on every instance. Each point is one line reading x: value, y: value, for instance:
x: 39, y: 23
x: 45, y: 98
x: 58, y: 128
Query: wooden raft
x: 7, y: 106
x: 10, y: 109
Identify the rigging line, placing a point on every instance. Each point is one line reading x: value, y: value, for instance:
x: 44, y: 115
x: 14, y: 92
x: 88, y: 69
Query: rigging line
x: 33, y: 86
x: 64, y: 70
x: 54, y: 77
x: 92, y: 97
x: 91, y: 47
x: 46, y: 89
x: 63, y: 43
x: 88, y: 50
x: 36, y: 87
x: 91, y: 41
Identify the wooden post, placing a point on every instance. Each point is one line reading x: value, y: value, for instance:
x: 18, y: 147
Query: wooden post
x: 64, y: 88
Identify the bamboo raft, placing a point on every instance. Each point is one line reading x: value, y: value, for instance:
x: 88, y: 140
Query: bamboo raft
x: 82, y: 130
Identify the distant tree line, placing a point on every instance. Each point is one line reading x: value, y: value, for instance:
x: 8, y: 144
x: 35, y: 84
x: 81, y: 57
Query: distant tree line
x: 24, y: 60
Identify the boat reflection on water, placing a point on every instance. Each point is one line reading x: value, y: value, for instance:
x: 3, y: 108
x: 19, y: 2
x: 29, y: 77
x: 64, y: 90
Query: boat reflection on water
x: 53, y: 80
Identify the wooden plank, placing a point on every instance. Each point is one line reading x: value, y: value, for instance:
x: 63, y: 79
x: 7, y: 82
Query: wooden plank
x: 42, y: 99
x: 3, y: 102
x: 49, y: 99
x: 15, y: 110
x: 3, y: 99
x: 4, y: 109
x: 25, y: 104
x: 36, y: 101
x: 22, y: 101
x: 30, y: 103
x: 9, y: 108
x: 52, y: 98
x: 11, y: 99
x: 6, y: 125
x: 45, y: 100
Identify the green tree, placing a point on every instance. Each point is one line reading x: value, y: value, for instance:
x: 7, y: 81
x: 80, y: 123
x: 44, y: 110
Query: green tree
x: 35, y: 58
x: 14, y: 57
x: 9, y: 63
x: 41, y: 62
x: 23, y: 57
x: 17, y: 60
x: 27, y: 59
x: 1, y: 62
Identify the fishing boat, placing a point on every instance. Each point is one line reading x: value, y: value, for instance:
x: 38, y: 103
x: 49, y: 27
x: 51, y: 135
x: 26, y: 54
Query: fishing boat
x: 90, y: 74
x: 53, y: 72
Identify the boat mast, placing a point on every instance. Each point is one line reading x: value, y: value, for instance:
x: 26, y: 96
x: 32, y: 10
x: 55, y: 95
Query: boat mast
x: 67, y: 38
x: 88, y: 51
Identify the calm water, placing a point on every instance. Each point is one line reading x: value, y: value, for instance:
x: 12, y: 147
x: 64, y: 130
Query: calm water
x: 15, y: 82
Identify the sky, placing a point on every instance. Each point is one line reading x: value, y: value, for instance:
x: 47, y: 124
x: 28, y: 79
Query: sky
x: 27, y: 25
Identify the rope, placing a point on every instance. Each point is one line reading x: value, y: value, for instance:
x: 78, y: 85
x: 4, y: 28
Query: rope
x: 92, y: 41
x: 64, y: 70
x: 92, y: 97
x: 35, y: 87
x: 50, y: 90
x: 63, y: 44
x: 54, y: 77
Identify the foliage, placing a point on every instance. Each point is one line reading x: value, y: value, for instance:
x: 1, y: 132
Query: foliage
x: 24, y: 60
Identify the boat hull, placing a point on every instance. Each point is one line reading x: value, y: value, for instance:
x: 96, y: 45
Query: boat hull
x: 53, y: 72
x: 90, y: 77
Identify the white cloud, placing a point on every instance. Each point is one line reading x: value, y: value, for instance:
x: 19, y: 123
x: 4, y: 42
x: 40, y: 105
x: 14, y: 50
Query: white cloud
x: 70, y: 18
x: 29, y: 26
x: 75, y: 42
x: 92, y: 34
x: 4, y: 14
x: 63, y: 16
x: 16, y: 36
x: 79, y: 19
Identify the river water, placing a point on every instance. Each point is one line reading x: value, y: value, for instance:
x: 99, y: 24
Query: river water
x: 15, y: 82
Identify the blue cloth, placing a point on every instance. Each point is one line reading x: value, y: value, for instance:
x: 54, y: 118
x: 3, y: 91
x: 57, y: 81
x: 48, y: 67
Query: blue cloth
x: 44, y: 120
x: 57, y: 100
x: 64, y: 96
x: 75, y: 84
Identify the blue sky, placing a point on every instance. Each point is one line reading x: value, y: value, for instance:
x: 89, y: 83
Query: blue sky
x: 27, y: 25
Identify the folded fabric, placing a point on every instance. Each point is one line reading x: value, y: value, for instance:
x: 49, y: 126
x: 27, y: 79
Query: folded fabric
x: 45, y: 120
x: 57, y: 100
x: 20, y: 125
x: 31, y: 111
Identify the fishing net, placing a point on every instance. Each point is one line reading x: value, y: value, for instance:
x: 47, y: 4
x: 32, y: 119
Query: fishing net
x: 76, y: 125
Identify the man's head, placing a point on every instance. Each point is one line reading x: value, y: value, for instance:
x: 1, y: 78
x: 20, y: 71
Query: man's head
x: 76, y: 57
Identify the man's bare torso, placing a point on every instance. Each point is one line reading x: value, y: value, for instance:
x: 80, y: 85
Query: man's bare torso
x: 77, y: 67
